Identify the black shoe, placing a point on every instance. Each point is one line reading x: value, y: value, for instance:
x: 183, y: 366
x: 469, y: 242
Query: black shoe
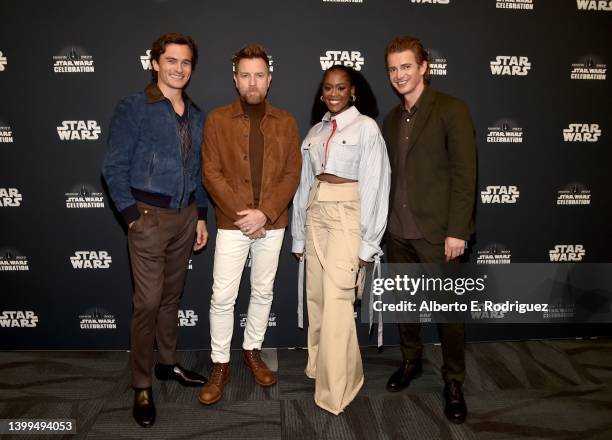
x: 144, y: 408
x: 454, y: 407
x: 402, y: 377
x: 181, y: 375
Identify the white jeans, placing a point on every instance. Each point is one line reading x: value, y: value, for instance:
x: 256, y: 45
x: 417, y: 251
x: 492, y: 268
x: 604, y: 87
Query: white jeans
x: 232, y: 249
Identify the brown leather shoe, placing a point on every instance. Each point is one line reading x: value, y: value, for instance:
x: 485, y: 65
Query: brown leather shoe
x: 263, y: 375
x: 212, y: 391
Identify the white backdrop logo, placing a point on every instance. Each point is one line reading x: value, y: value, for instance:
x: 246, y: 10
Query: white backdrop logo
x: 589, y: 67
x: 12, y: 260
x: 3, y: 62
x: 500, y: 194
x: 505, y: 131
x: 187, y: 318
x: 91, y: 260
x: 438, y: 64
x: 145, y: 60
x: 271, y: 320
x: 594, y: 5
x: 10, y: 198
x: 6, y: 134
x: 18, y: 318
x: 495, y: 253
x: 510, y: 65
x: 514, y: 4
x: 79, y: 131
x: 349, y: 58
x: 84, y: 197
x: 567, y: 252
x: 97, y: 318
x: 574, y: 194
x: 579, y: 132
x: 73, y: 60
x: 432, y: 2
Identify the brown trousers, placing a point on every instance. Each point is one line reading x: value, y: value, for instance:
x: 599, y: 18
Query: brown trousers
x: 452, y: 338
x: 160, y: 243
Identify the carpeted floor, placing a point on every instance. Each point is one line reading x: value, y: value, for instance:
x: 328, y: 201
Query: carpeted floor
x: 514, y: 390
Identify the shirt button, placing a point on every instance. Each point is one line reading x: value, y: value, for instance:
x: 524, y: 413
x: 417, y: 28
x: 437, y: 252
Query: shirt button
x: 246, y: 180
x: 406, y: 137
x: 344, y: 142
x: 404, y: 205
x: 245, y: 157
x: 408, y: 120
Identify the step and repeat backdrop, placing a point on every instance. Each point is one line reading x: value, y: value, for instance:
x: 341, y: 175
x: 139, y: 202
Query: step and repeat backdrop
x: 535, y: 74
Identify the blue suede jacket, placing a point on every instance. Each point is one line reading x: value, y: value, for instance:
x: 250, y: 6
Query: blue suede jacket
x: 143, y: 159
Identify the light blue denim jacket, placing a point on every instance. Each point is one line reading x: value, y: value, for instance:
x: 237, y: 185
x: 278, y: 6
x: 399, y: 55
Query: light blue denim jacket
x: 356, y: 151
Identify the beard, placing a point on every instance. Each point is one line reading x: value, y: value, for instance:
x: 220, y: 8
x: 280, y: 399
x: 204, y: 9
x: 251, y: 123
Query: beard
x: 252, y: 96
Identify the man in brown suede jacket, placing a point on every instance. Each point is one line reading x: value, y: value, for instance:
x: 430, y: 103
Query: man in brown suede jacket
x: 252, y: 169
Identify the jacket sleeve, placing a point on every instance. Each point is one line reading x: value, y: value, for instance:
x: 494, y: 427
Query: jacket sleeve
x: 462, y: 158
x: 220, y: 190
x: 374, y: 184
x: 122, y: 141
x: 276, y: 202
x: 201, y: 196
x: 298, y: 215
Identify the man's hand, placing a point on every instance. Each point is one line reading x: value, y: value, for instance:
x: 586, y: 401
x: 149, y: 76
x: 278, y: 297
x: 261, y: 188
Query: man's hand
x: 201, y: 235
x: 258, y: 234
x: 453, y: 248
x: 252, y: 222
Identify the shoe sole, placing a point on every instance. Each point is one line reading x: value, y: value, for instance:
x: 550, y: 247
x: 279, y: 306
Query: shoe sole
x: 255, y: 377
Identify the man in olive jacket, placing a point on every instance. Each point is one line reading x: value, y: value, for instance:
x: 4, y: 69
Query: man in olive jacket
x: 430, y: 139
x: 252, y: 169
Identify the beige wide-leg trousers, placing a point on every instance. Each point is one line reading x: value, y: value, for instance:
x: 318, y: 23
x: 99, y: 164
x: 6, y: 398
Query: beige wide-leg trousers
x: 332, y: 243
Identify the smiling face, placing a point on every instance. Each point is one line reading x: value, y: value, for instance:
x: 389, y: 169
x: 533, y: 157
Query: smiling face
x: 174, y: 67
x: 336, y: 91
x: 252, y: 79
x: 405, y: 74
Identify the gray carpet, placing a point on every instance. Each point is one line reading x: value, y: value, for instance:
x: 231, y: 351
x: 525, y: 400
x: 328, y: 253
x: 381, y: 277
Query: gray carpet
x: 514, y: 390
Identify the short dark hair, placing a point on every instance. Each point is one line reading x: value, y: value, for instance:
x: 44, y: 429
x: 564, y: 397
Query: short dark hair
x: 159, y: 47
x: 251, y: 51
x: 401, y: 44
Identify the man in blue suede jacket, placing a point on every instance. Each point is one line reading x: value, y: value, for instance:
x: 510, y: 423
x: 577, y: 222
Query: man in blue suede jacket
x: 153, y: 171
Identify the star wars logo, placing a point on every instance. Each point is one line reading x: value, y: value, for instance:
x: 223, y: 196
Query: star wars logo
x: 500, y: 194
x: 505, y: 131
x: 84, y: 197
x: 494, y: 254
x: 79, y: 131
x: 6, y: 134
x: 574, y: 194
x: 432, y: 2
x: 581, y: 133
x: 342, y: 1
x: 11, y: 261
x: 484, y: 312
x: 567, y: 252
x: 271, y: 320
x: 10, y: 198
x: 73, y: 62
x: 3, y: 62
x: 349, y: 58
x: 589, y: 68
x: 594, y: 5
x: 145, y: 60
x: 18, y: 318
x: 514, y: 4
x: 187, y: 318
x: 437, y: 63
x: 97, y: 319
x: 510, y: 65
x: 91, y: 260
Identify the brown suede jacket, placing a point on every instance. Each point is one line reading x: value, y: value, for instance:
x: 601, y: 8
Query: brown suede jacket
x: 226, y: 170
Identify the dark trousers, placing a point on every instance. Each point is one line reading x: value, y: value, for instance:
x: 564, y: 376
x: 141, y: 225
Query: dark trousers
x: 160, y: 243
x: 401, y: 250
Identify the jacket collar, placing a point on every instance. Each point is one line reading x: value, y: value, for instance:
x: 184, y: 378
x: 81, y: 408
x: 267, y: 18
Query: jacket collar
x: 154, y: 94
x: 343, y: 119
x: 237, y: 110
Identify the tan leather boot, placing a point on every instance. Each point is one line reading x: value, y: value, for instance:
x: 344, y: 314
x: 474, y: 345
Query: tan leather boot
x: 212, y: 391
x: 263, y: 375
